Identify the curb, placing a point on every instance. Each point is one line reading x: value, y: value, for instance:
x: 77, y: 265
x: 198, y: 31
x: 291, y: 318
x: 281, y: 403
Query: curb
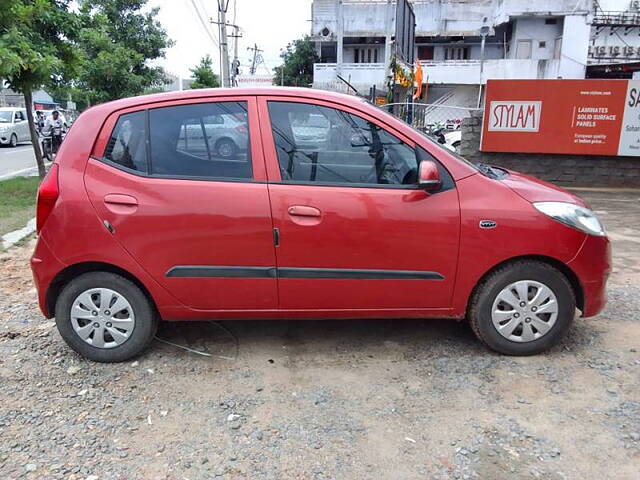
x: 11, y: 238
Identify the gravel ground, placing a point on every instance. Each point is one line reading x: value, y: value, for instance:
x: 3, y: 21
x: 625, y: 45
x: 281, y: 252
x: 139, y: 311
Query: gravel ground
x: 396, y: 399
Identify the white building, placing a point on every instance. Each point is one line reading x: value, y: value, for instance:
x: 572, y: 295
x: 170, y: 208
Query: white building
x: 527, y: 39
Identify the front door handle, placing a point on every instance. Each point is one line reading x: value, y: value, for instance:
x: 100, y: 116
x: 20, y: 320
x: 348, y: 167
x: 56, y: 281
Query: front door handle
x: 303, y: 211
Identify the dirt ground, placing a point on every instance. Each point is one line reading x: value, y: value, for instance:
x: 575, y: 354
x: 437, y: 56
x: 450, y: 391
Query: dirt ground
x: 397, y: 399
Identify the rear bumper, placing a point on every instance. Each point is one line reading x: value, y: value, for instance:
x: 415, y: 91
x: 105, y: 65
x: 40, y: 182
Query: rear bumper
x: 44, y: 267
x: 592, y: 265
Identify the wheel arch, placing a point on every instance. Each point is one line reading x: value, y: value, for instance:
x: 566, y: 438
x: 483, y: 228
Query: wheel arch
x: 557, y: 264
x: 69, y: 273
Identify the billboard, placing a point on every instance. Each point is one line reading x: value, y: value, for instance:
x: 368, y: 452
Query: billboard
x: 405, y: 31
x: 581, y: 117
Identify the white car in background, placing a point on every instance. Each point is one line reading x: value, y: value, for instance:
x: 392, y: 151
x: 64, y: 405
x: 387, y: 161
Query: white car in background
x: 452, y: 139
x: 14, y: 127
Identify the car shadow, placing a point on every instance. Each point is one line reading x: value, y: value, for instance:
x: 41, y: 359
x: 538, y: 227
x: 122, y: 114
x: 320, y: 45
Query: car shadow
x: 234, y: 339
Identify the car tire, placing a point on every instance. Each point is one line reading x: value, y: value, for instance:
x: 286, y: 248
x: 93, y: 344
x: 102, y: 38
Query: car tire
x: 139, y: 309
x: 13, y: 141
x: 226, y: 148
x: 522, y: 329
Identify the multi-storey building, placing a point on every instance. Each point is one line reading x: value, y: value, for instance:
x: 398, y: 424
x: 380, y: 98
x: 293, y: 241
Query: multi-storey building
x: 524, y: 39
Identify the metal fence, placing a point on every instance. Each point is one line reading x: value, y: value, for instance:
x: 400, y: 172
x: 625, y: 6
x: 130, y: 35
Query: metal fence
x: 430, y: 117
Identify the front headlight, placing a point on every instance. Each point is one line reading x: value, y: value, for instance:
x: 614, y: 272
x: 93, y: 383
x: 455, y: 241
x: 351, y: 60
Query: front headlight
x: 573, y: 215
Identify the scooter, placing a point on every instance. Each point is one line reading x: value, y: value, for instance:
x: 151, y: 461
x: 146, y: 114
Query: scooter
x: 49, y: 147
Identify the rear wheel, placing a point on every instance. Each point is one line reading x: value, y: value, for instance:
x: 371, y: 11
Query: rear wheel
x: 226, y: 148
x: 105, y: 317
x: 13, y: 141
x: 522, y: 308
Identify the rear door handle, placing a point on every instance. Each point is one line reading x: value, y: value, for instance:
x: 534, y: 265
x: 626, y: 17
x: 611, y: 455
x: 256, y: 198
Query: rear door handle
x: 120, y: 199
x: 303, y: 211
x: 121, y: 204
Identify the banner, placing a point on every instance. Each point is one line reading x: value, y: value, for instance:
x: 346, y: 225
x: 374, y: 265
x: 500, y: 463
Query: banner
x: 581, y: 117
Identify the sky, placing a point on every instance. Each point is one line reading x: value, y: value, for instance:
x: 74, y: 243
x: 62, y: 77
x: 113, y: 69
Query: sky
x: 269, y: 23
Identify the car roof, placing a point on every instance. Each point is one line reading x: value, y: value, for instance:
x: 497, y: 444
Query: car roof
x: 226, y: 92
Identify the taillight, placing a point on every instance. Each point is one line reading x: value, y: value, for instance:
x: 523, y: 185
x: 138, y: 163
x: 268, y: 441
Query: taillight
x: 47, y: 196
x: 241, y: 128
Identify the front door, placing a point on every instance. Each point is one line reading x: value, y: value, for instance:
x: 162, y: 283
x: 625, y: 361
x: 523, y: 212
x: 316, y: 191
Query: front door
x: 355, y: 232
x: 199, y: 222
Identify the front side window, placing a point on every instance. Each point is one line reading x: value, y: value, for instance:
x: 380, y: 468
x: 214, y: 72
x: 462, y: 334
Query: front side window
x: 200, y: 140
x: 127, y: 144
x: 325, y: 145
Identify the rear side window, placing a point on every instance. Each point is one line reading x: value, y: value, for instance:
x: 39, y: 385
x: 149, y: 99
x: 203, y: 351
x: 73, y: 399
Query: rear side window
x: 200, y: 140
x: 127, y: 145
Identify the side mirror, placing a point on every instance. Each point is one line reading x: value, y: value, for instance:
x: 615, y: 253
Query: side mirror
x: 429, y: 176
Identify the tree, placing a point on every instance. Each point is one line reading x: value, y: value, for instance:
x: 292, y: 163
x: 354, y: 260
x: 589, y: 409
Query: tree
x: 203, y: 75
x: 117, y: 42
x: 36, y: 49
x: 297, y: 67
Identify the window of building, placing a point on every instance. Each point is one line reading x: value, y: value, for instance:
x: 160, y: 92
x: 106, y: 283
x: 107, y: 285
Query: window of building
x: 550, y: 21
x: 200, y: 140
x: 365, y: 55
x: 542, y: 44
x: 127, y: 144
x: 323, y: 145
x: 425, y: 53
x: 456, y: 53
x: 328, y: 54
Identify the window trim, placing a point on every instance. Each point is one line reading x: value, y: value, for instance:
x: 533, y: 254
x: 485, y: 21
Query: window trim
x: 138, y: 173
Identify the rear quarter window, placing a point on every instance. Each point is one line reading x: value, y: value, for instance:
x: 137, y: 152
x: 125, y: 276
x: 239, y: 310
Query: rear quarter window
x: 127, y: 144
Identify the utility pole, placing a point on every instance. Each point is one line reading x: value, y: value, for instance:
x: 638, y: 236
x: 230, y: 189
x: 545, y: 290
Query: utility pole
x: 224, y: 47
x: 235, y: 65
x: 256, y: 52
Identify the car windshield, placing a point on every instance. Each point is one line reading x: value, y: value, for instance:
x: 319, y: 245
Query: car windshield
x: 5, y: 116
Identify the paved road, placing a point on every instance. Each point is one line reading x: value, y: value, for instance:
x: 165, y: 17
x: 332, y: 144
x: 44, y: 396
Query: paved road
x: 17, y: 161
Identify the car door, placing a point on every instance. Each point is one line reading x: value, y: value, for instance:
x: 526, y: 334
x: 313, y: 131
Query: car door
x: 24, y: 126
x: 355, y: 232
x: 199, y: 224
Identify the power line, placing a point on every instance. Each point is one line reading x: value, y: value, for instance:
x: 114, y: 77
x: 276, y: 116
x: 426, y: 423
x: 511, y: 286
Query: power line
x: 203, y: 23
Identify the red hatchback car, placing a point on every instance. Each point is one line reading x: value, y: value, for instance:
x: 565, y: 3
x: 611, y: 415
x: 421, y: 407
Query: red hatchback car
x: 298, y: 203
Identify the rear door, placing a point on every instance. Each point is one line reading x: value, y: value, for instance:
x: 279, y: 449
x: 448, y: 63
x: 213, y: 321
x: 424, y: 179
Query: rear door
x: 355, y: 232
x: 198, y: 223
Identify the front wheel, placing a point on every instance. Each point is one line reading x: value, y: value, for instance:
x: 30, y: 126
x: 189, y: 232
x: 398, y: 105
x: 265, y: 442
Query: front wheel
x: 105, y: 317
x: 13, y: 141
x: 523, y: 308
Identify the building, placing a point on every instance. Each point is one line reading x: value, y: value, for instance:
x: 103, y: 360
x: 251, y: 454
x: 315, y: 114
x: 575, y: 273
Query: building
x: 524, y: 39
x: 614, y: 47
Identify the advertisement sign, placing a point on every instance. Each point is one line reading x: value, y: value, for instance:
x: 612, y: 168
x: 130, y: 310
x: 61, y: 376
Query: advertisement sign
x: 582, y: 117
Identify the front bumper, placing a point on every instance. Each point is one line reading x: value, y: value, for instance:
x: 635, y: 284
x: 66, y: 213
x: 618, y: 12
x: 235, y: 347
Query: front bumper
x: 44, y: 267
x: 592, y: 265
